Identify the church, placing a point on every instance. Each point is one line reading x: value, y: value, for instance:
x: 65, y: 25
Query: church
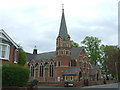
x: 64, y: 64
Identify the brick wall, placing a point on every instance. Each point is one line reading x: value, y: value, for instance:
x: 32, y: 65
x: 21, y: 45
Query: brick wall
x: 11, y: 56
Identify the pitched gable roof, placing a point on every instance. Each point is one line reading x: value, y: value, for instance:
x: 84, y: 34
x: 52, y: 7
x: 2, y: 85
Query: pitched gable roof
x: 72, y: 71
x: 42, y: 56
x: 46, y: 56
x: 75, y: 52
x: 5, y: 36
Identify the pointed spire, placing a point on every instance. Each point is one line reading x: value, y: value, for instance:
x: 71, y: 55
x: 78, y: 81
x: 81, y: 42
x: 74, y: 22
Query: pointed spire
x: 63, y: 28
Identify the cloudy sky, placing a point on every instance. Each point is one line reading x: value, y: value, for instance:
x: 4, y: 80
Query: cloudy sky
x: 37, y: 22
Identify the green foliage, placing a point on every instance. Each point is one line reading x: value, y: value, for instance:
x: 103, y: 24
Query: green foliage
x: 14, y: 75
x: 112, y: 55
x: 92, y: 46
x: 34, y: 82
x: 73, y: 44
x: 22, y: 57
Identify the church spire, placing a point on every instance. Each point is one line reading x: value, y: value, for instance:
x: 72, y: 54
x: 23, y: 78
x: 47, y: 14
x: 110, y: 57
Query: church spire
x: 63, y: 28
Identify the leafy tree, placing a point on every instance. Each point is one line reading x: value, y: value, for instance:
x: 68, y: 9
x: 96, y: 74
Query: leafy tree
x: 73, y: 44
x: 93, y: 49
x: 22, y: 57
x: 112, y: 55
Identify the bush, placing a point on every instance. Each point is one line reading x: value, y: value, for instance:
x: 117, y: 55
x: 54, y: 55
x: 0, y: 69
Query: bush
x: 14, y: 75
x: 22, y: 57
x: 34, y: 82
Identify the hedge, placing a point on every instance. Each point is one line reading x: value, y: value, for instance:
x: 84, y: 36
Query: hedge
x: 14, y: 75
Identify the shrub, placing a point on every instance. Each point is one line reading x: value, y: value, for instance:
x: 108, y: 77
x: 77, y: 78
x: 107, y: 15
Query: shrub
x: 22, y: 57
x: 14, y: 75
x: 34, y: 82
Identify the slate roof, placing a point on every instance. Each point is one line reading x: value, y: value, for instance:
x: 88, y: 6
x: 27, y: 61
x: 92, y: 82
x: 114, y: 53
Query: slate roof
x: 42, y: 56
x: 63, y: 28
x: 71, y: 71
x: 30, y: 56
x: 75, y: 52
x: 46, y: 56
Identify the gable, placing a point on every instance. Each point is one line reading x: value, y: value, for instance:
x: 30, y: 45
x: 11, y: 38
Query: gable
x: 75, y: 52
x: 5, y: 36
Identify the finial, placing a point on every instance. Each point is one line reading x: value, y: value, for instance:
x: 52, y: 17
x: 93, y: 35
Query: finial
x: 62, y: 6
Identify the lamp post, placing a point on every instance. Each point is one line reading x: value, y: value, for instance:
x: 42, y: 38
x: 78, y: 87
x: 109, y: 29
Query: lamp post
x: 118, y: 71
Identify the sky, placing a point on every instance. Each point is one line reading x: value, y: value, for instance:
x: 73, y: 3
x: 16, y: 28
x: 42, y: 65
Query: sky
x: 36, y: 22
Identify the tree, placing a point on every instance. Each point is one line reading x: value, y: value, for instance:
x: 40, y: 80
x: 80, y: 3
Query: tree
x: 74, y: 44
x: 93, y: 49
x: 22, y: 57
x: 112, y: 55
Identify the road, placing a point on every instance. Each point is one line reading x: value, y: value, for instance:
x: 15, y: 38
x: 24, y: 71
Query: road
x: 96, y: 87
x: 115, y: 85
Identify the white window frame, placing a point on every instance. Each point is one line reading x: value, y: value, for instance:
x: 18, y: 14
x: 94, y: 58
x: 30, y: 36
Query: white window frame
x: 7, y: 51
x: 15, y: 56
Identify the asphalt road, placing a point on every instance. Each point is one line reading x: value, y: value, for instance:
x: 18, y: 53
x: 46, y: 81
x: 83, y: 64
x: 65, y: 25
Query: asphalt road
x: 115, y: 85
x: 96, y: 87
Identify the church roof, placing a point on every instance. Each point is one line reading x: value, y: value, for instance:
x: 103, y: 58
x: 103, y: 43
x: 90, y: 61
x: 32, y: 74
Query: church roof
x: 63, y: 28
x: 42, y: 56
x: 71, y: 71
x: 75, y: 52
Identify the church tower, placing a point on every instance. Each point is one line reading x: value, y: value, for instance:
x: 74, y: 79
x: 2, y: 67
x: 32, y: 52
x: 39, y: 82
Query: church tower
x: 63, y: 47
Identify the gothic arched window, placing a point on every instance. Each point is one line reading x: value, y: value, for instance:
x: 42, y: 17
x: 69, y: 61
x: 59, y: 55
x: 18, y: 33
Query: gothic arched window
x: 51, y: 69
x: 70, y: 64
x: 61, y: 51
x: 32, y: 70
x: 64, y: 51
x: 41, y: 70
x: 67, y: 52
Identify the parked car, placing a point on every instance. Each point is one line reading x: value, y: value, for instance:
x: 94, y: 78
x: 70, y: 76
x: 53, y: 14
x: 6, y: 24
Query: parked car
x: 68, y: 84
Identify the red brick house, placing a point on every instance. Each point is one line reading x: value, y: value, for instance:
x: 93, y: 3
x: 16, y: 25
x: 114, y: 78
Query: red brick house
x: 8, y: 48
x: 64, y: 64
